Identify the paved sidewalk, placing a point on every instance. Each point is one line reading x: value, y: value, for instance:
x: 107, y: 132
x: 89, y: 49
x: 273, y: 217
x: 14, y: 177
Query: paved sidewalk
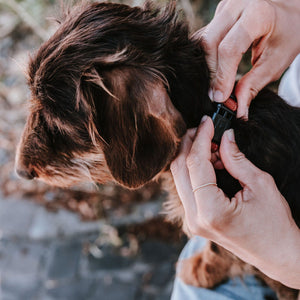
x: 46, y: 256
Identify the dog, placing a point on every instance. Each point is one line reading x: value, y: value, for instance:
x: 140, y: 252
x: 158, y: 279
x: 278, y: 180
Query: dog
x: 112, y: 93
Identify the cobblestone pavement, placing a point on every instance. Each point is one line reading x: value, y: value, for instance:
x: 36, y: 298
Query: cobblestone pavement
x: 46, y: 256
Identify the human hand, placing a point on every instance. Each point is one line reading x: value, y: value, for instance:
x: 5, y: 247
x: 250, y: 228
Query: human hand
x: 270, y: 26
x: 256, y: 224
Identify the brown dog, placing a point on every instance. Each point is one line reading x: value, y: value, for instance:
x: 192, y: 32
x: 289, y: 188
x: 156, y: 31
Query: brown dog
x: 113, y: 92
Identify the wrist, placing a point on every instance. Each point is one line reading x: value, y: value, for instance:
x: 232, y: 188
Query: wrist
x: 282, y: 261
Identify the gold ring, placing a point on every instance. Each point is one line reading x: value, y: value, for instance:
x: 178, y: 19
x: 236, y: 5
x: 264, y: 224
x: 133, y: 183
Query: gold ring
x: 203, y: 186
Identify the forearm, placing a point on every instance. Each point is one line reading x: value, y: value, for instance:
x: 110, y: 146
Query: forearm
x: 285, y: 264
x: 279, y: 260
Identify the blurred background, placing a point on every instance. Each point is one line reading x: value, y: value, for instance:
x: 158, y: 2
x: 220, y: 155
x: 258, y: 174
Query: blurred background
x: 86, y: 242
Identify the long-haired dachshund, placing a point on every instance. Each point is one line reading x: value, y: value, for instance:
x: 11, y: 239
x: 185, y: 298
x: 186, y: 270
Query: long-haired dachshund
x: 112, y: 93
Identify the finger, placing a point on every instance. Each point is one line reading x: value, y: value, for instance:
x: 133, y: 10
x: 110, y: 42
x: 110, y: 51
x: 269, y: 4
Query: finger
x: 235, y: 162
x: 199, y: 159
x: 237, y: 41
x: 225, y: 17
x: 218, y: 165
x: 216, y: 161
x: 181, y: 175
x: 230, y: 52
x: 185, y: 146
x: 257, y: 78
x: 220, y: 6
x: 214, y: 158
x: 210, y: 200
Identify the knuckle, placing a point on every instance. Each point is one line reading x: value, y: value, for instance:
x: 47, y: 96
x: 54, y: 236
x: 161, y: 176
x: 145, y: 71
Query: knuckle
x: 239, y: 156
x: 264, y: 178
x: 262, y: 9
x: 221, y: 5
x: 253, y: 91
x: 250, y: 85
x: 192, y: 160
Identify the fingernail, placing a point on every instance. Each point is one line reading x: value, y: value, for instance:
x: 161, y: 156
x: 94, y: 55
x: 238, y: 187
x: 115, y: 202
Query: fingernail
x: 211, y: 94
x: 230, y: 135
x: 218, y: 96
x: 204, y: 118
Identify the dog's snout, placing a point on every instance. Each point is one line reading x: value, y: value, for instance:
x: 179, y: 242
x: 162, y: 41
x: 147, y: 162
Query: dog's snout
x: 28, y: 173
x: 24, y: 162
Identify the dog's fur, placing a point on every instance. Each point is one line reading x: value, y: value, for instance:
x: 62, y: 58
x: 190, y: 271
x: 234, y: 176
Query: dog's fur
x: 114, y: 90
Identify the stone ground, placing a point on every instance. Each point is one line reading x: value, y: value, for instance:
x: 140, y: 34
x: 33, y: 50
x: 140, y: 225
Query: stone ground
x: 46, y: 255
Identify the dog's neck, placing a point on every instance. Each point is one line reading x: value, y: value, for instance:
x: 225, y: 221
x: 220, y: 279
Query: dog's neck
x: 189, y: 86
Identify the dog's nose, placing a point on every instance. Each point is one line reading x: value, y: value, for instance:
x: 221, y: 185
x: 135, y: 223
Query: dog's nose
x: 26, y: 173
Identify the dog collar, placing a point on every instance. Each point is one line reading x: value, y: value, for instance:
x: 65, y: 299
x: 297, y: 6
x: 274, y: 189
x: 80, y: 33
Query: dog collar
x: 222, y: 119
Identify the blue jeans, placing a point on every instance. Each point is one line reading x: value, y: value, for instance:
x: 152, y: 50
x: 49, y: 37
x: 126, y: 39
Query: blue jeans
x: 247, y: 288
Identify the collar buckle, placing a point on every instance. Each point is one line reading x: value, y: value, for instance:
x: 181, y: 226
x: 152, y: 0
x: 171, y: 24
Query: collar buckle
x: 222, y: 119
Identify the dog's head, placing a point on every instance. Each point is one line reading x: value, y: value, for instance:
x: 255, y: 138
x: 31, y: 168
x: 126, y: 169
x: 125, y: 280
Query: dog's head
x: 100, y: 105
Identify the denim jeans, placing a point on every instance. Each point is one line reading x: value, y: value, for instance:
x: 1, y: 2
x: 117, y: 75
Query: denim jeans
x: 248, y: 288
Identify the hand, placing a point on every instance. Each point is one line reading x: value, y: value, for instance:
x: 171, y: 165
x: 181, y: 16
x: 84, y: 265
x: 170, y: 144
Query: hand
x: 271, y: 27
x: 256, y: 224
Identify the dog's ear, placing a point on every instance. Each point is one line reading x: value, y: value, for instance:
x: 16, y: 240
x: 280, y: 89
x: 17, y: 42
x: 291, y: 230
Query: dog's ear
x: 137, y: 123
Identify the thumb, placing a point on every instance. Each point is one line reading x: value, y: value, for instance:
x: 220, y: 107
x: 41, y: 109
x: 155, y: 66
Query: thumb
x: 235, y: 161
x: 251, y: 83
